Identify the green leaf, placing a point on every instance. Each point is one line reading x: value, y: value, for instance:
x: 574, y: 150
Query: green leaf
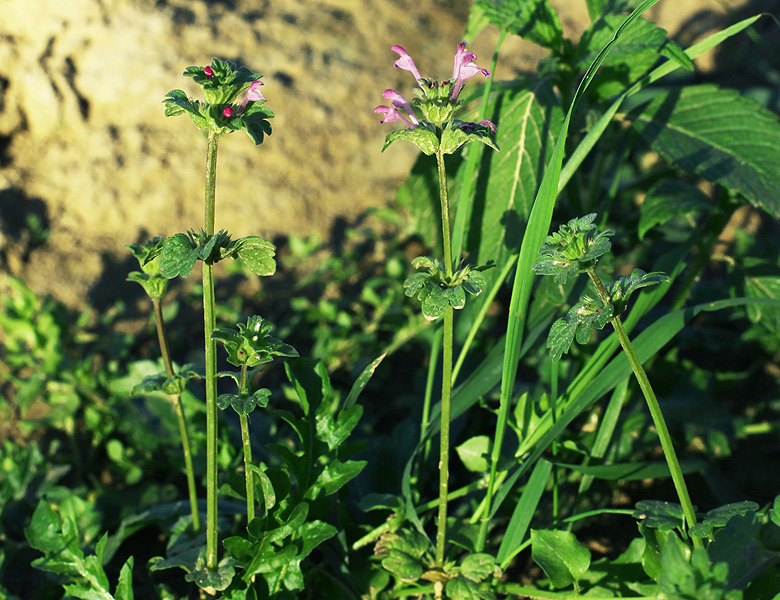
x: 656, y: 543
x: 334, y: 431
x: 667, y: 200
x: 362, y: 381
x: 244, y: 405
x: 178, y: 256
x: 719, y: 135
x: 457, y: 133
x: 257, y: 254
x: 621, y: 289
x: 335, y: 475
x: 533, y: 20
x: 266, y: 486
x: 738, y: 545
x: 478, y: 567
x: 474, y: 452
x: 632, y: 56
x: 461, y: 588
x: 524, y: 511
x: 578, y: 324
x: 313, y: 534
x: 562, y: 558
x: 403, y: 566
x: 421, y: 136
x: 527, y: 114
x: 124, y: 586
x: 656, y: 514
x: 44, y: 532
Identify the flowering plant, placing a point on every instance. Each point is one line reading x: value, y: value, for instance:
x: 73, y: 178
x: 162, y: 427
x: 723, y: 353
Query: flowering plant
x: 223, y: 83
x: 438, y: 102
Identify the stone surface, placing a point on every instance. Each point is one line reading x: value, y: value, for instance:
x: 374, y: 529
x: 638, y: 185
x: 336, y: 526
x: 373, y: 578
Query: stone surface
x: 85, y: 147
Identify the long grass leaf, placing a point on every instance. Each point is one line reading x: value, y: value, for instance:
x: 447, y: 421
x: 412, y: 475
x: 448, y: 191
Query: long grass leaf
x: 525, y: 509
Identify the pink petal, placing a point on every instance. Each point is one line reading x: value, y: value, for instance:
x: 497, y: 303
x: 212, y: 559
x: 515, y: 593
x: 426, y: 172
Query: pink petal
x: 405, y: 62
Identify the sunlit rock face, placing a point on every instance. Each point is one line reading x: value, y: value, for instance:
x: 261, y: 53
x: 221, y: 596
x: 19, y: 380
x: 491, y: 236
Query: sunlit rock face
x: 85, y: 148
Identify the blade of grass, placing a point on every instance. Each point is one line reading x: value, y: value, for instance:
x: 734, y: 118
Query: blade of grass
x: 535, y: 232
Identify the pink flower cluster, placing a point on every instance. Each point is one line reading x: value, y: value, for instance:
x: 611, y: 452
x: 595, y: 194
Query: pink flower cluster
x: 253, y: 94
x: 464, y: 68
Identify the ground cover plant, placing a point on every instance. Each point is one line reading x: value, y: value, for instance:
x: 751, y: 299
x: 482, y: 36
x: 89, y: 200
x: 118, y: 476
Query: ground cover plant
x: 598, y: 206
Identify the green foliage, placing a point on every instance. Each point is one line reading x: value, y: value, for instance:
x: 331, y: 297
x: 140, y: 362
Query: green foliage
x: 562, y: 558
x: 252, y: 345
x: 179, y: 253
x: 147, y: 254
x: 573, y: 249
x: 221, y: 91
x: 83, y: 576
x: 718, y: 135
x: 436, y: 289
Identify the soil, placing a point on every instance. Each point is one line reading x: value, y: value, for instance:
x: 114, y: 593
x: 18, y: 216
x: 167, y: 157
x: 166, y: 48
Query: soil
x: 89, y: 163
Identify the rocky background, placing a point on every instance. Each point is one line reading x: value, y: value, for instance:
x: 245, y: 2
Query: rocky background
x: 89, y: 163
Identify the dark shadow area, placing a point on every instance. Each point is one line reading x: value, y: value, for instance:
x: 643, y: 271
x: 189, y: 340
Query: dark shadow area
x: 24, y: 223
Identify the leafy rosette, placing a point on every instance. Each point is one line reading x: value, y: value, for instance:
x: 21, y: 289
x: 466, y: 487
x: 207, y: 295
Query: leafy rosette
x: 223, y: 83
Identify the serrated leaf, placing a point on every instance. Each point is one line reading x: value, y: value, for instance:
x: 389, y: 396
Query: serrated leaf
x: 578, y: 323
x: 719, y: 135
x: 533, y: 20
x: 503, y: 202
x: 562, y: 558
x: 473, y: 453
x: 667, y: 200
x: 178, y: 256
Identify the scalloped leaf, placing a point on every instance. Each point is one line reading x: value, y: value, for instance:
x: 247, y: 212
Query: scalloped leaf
x: 178, y: 256
x: 420, y: 136
x: 458, y: 133
x: 257, y: 254
x: 244, y: 405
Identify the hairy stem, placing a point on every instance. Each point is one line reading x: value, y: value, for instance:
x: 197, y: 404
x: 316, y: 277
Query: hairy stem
x: 250, y: 488
x: 209, y: 323
x: 179, y: 407
x: 655, y: 410
x: 446, y: 377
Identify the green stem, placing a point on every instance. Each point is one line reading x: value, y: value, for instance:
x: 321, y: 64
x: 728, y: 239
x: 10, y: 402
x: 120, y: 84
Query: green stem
x: 250, y: 488
x: 655, y: 410
x: 446, y: 376
x: 444, y: 451
x: 179, y: 407
x: 445, y: 211
x: 209, y: 323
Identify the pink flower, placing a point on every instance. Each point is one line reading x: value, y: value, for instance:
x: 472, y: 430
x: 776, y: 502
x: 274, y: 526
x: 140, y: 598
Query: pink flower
x: 405, y: 62
x: 208, y: 72
x: 253, y: 94
x: 227, y: 112
x: 464, y: 68
x: 393, y: 112
x: 489, y: 124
